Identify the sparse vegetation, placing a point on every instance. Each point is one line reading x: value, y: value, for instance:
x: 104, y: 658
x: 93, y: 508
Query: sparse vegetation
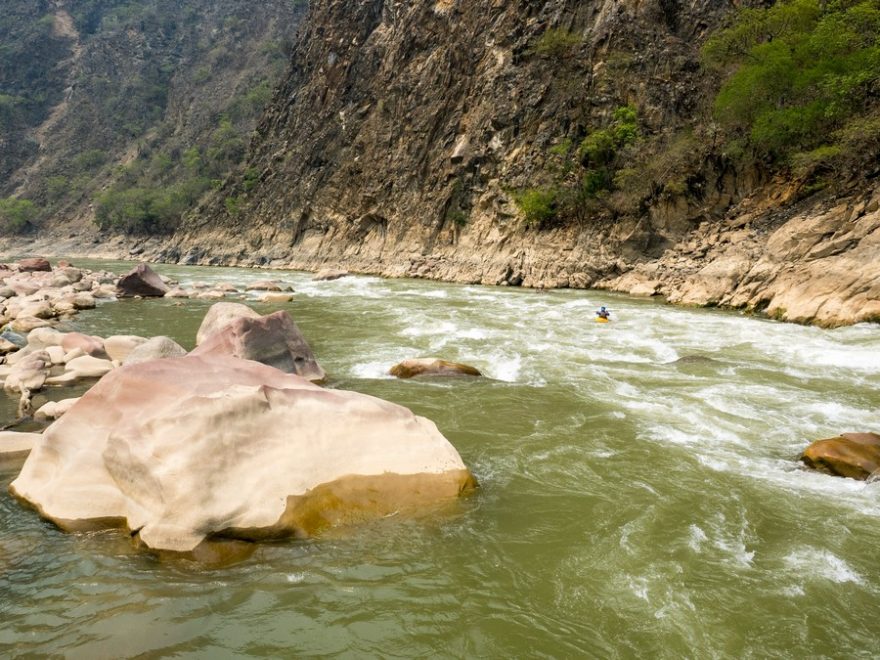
x: 557, y: 43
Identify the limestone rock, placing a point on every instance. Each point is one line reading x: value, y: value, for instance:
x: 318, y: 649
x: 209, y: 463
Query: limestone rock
x: 432, y: 367
x: 177, y: 292
x: 157, y: 348
x: 24, y: 324
x: 274, y: 297
x: 274, y: 340
x: 221, y: 315
x: 177, y: 450
x: 853, y: 455
x: 141, y: 281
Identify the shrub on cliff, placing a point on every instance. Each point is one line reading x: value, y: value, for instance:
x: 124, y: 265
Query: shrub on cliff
x: 16, y: 215
x: 796, y: 72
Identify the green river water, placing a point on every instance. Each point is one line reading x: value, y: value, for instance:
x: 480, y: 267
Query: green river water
x: 630, y: 505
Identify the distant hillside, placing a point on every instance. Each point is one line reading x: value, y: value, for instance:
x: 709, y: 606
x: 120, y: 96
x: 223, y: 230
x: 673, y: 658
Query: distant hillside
x: 130, y: 110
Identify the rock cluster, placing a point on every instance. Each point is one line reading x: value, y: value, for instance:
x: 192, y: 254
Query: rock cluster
x: 210, y: 445
x: 34, y: 295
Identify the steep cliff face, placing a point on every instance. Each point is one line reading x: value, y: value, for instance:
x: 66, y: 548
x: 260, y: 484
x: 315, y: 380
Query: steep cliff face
x: 404, y: 126
x: 96, y: 92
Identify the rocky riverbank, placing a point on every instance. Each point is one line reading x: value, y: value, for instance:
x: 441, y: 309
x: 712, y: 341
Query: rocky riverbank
x: 802, y: 262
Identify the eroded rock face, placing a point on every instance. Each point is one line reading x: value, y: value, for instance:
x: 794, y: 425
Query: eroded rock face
x: 853, y: 455
x: 432, y: 367
x: 141, y: 281
x: 274, y: 340
x: 183, y: 449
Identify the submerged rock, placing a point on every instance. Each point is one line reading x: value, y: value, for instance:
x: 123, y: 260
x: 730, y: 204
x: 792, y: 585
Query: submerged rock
x: 274, y: 340
x: 187, y: 449
x: 329, y: 274
x: 141, y: 281
x: 853, y: 455
x: 432, y: 367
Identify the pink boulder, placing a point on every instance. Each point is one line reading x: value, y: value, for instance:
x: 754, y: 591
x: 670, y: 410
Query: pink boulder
x: 274, y: 340
x: 93, y: 346
x: 34, y: 264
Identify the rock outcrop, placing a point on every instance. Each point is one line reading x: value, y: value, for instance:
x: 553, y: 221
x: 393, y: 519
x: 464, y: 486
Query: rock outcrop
x: 853, y: 455
x: 182, y: 450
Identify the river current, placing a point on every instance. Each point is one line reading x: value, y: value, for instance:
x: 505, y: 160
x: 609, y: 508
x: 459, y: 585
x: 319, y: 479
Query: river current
x: 640, y: 494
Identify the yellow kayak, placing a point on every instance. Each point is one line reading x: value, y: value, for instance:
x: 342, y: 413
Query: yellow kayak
x: 599, y: 319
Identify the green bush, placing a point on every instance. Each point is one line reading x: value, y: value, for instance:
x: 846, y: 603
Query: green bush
x: 796, y: 71
x: 16, y: 215
x: 538, y: 205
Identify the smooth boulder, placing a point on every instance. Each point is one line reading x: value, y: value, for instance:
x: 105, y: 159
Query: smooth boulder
x: 17, y: 445
x: 34, y: 265
x: 186, y: 449
x: 274, y: 340
x: 432, y: 367
x: 141, y: 281
x: 329, y: 274
x: 853, y: 455
x: 221, y: 315
x: 157, y: 348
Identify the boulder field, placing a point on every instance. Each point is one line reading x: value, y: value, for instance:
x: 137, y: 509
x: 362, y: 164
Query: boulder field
x: 230, y: 441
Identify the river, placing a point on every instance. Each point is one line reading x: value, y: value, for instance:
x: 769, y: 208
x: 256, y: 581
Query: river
x: 632, y: 503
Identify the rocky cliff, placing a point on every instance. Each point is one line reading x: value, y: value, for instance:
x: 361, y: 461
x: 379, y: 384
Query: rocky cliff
x: 406, y: 135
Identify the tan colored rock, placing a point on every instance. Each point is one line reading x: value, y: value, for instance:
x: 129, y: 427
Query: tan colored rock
x: 56, y: 354
x: 84, y: 301
x: 25, y: 324
x: 432, y: 367
x: 265, y: 285
x: 274, y: 340
x: 221, y: 315
x: 119, y: 347
x: 156, y: 348
x: 177, y: 292
x: 210, y: 295
x: 89, y: 367
x: 276, y: 297
x: 40, y: 310
x: 853, y: 455
x: 54, y: 409
x: 181, y: 449
x: 17, y: 445
x: 330, y: 274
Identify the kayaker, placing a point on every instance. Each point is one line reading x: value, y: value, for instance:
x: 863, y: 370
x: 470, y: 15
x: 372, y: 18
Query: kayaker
x: 603, y: 314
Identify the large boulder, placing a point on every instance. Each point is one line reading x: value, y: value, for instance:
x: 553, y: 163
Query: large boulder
x: 853, y: 455
x: 34, y: 264
x: 141, y: 281
x: 274, y: 340
x: 89, y: 345
x: 185, y: 449
x: 221, y: 315
x: 432, y: 367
